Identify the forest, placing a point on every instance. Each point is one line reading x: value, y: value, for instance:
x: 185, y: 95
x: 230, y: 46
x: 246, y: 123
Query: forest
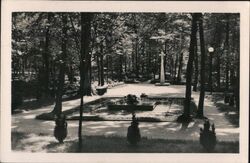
x: 70, y: 54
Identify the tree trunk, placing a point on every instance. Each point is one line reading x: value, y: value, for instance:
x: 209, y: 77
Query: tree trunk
x: 227, y: 54
x: 185, y: 117
x: 86, y: 19
x: 136, y: 58
x: 125, y: 63
x: 180, y: 60
x: 98, y: 69
x: 58, y: 107
x: 218, y: 52
x: 85, y: 55
x: 120, y: 69
x: 46, y: 57
x: 202, y: 71
x: 196, y: 65
x: 211, y: 72
x: 180, y: 68
x: 111, y: 68
x: 175, y: 67
x: 101, y: 69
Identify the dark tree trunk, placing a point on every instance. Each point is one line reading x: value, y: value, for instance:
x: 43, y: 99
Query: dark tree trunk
x: 101, y: 70
x: 218, y: 52
x: 218, y: 70
x: 175, y: 66
x: 185, y: 117
x: 196, y: 65
x: 85, y: 68
x: 180, y: 60
x: 58, y: 107
x: 98, y: 69
x: 227, y: 54
x: 125, y: 63
x: 149, y: 66
x: 211, y: 72
x: 120, y: 69
x: 171, y: 67
x: 202, y: 71
x: 180, y: 68
x: 46, y: 57
x: 136, y: 58
x: 70, y: 74
x: 85, y: 56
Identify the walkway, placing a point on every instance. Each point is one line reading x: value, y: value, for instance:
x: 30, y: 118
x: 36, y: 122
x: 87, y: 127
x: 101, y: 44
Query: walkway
x: 25, y: 122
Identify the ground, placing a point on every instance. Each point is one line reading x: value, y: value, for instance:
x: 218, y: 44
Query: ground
x: 30, y: 134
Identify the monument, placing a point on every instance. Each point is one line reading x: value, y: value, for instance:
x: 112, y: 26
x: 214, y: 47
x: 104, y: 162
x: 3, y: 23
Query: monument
x: 162, y: 72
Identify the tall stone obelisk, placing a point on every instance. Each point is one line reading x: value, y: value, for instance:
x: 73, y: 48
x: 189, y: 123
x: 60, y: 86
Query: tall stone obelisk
x: 162, y: 75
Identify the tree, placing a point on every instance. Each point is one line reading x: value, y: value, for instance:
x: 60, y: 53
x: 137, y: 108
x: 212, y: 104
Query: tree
x: 86, y: 19
x: 202, y: 71
x: 46, y: 55
x: 227, y: 52
x: 62, y: 64
x: 185, y: 117
x: 196, y: 65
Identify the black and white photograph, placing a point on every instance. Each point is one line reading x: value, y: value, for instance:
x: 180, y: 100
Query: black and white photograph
x: 127, y: 82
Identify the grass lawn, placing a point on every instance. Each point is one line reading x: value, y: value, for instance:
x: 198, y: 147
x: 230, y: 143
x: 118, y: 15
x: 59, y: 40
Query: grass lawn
x: 23, y: 142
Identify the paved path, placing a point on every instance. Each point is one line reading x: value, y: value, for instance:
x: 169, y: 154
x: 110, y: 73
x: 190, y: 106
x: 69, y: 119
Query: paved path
x: 25, y: 122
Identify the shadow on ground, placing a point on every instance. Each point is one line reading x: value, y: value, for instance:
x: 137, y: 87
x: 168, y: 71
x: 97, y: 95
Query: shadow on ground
x: 112, y: 144
x: 231, y: 113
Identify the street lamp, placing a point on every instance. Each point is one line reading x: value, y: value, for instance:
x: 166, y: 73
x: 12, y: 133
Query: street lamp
x: 211, y: 50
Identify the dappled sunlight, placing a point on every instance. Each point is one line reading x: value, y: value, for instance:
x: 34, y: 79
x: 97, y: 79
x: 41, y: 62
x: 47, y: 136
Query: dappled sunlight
x: 29, y: 116
x: 195, y: 135
x: 232, y: 113
x: 73, y: 124
x: 25, y: 122
x: 98, y: 127
x: 216, y: 114
x: 228, y: 130
x: 191, y: 124
x: 174, y: 129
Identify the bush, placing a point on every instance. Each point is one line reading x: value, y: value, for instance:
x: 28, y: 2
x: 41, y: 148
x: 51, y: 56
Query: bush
x: 16, y: 94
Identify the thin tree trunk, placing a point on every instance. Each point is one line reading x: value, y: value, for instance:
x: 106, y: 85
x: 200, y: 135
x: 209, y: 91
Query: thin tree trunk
x: 218, y: 52
x: 101, y: 70
x: 202, y: 71
x: 180, y: 68
x: 58, y: 107
x: 46, y: 56
x: 175, y: 67
x: 196, y: 65
x: 120, y: 69
x: 86, y: 19
x: 180, y: 60
x: 86, y: 56
x: 227, y: 54
x: 185, y: 117
x: 125, y: 63
x: 136, y: 58
x: 111, y: 68
x: 98, y: 69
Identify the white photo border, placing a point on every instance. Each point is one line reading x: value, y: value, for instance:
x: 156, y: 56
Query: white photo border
x: 9, y: 6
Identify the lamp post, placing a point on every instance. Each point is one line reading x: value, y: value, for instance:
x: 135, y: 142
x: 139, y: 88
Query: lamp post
x: 211, y: 50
